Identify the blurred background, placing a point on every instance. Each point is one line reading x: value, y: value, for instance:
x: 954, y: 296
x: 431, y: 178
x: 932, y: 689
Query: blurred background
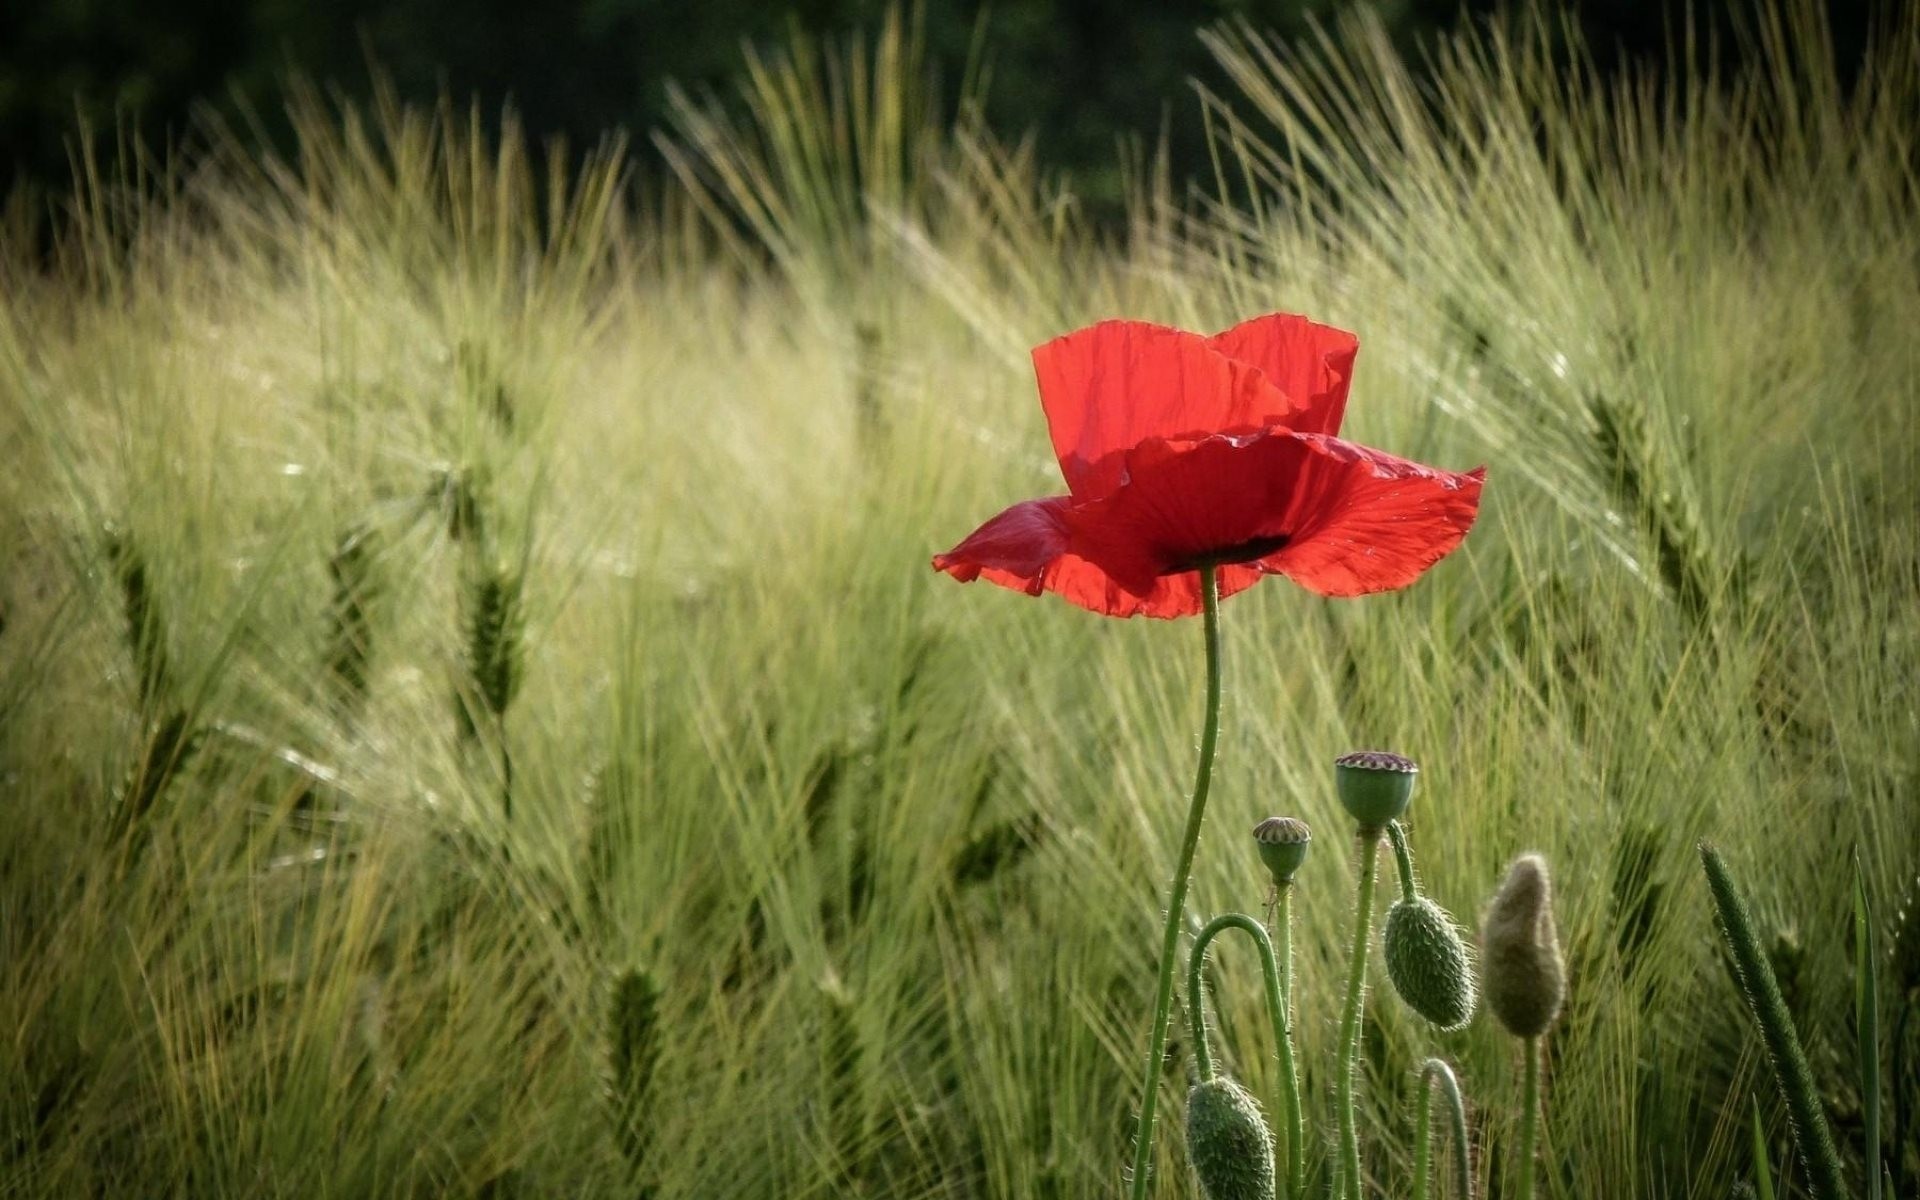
x: 1083, y: 76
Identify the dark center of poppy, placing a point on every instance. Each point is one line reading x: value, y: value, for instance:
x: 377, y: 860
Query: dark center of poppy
x: 1241, y: 552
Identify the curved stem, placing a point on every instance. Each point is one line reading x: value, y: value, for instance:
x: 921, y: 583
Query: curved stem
x: 1369, y: 842
x: 1277, y: 1012
x: 1296, y: 1175
x: 1431, y: 1072
x: 1422, y: 1142
x: 1403, y: 857
x: 1530, y: 1120
x: 1177, y: 896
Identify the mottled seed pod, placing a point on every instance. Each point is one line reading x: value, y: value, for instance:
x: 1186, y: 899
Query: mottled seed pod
x: 1520, y: 966
x: 1283, y: 843
x: 1428, y: 963
x: 1228, y: 1142
x: 1374, y: 785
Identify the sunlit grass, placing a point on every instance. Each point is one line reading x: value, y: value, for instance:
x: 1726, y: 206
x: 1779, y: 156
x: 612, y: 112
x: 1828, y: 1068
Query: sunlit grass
x: 894, y: 849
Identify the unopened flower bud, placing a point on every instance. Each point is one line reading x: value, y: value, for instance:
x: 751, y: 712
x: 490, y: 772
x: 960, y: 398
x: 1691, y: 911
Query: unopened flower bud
x: 1520, y: 966
x: 1374, y: 785
x: 1283, y: 843
x: 1428, y: 964
x: 1228, y: 1142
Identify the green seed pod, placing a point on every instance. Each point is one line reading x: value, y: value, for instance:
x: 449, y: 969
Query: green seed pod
x: 1283, y: 843
x: 1228, y: 1142
x: 1374, y: 785
x: 1428, y: 964
x: 1520, y: 965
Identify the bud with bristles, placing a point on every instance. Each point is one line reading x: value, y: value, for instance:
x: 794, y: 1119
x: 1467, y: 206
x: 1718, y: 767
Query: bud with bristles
x: 1428, y: 964
x: 1228, y: 1142
x: 1283, y: 843
x: 1374, y: 785
x: 1520, y: 965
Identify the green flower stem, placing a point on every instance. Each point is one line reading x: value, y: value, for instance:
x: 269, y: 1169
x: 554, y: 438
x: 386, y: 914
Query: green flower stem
x: 1433, y: 1072
x: 1530, y: 1121
x: 1296, y: 1173
x: 1276, y: 1011
x: 1403, y: 857
x: 1422, y: 1143
x: 1177, y: 897
x: 1811, y: 1137
x: 1369, y: 843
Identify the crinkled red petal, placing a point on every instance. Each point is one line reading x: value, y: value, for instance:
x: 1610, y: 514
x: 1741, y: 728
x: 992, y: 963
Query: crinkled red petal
x: 1038, y: 545
x: 1367, y: 521
x: 1309, y: 362
x: 1112, y: 386
x: 1337, y: 518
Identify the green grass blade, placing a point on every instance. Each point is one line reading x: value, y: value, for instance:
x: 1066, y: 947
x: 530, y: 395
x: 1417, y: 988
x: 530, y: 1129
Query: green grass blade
x: 1866, y: 1007
x: 1762, y: 1169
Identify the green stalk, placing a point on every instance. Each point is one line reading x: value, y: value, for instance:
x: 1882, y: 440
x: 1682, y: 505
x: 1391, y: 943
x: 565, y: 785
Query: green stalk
x: 1177, y: 896
x: 1403, y: 857
x: 1369, y: 841
x: 1811, y: 1138
x: 1276, y: 1012
x: 1296, y: 1173
x: 1423, y: 1143
x: 1435, y: 1072
x: 1530, y: 1121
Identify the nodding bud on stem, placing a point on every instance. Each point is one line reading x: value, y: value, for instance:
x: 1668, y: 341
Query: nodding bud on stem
x: 1374, y: 785
x: 1228, y: 1142
x: 1428, y: 963
x: 1283, y: 843
x: 1520, y: 966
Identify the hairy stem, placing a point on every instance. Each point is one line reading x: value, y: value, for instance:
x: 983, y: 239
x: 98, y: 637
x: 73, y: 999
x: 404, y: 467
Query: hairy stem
x: 1177, y: 895
x: 1530, y: 1121
x: 1433, y: 1073
x: 1369, y: 845
x: 1296, y: 1172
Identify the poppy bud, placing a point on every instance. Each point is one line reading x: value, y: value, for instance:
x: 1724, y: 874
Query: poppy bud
x: 1427, y: 962
x: 1283, y: 843
x: 1374, y: 785
x: 1228, y: 1142
x: 1520, y: 966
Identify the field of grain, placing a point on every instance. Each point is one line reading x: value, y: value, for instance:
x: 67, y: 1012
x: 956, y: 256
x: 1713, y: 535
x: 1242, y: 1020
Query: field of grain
x: 476, y: 717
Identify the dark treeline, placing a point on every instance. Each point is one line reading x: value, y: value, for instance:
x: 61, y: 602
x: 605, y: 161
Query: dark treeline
x: 1080, y: 74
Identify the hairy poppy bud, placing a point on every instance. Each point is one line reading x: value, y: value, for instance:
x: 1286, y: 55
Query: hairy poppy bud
x: 1427, y: 962
x: 1228, y: 1142
x: 1374, y: 785
x: 1520, y: 966
x: 1283, y: 843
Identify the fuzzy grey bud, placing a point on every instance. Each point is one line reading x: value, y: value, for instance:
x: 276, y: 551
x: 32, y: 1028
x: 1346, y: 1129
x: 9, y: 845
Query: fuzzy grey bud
x: 1520, y: 965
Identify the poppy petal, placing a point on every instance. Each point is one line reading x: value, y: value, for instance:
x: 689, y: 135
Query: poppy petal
x: 1370, y: 522
x: 1312, y: 364
x: 1112, y: 386
x: 1018, y: 545
x: 1041, y: 545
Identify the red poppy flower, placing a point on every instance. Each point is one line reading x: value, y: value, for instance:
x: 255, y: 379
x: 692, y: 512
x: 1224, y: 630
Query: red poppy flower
x: 1181, y: 450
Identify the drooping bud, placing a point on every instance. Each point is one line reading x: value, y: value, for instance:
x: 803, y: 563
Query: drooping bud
x: 1283, y: 843
x: 1428, y: 963
x: 1374, y: 785
x: 1520, y: 965
x: 1228, y: 1142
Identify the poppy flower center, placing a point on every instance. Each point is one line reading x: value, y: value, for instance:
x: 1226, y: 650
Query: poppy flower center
x: 1240, y: 552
